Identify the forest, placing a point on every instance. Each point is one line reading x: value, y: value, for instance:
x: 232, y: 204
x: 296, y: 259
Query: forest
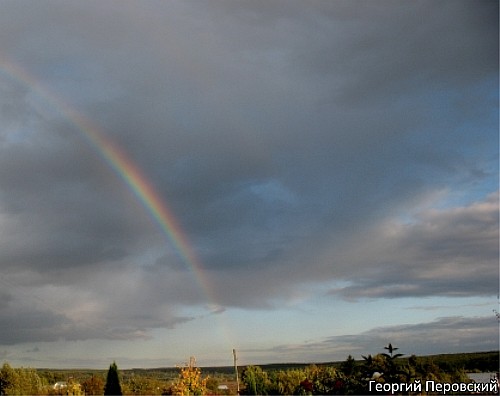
x: 351, y: 376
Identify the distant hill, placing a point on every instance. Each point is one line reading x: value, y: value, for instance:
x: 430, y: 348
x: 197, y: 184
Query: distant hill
x: 471, y: 362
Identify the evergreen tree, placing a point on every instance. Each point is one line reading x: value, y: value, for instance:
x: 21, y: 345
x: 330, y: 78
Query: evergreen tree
x: 348, y: 367
x: 113, y: 386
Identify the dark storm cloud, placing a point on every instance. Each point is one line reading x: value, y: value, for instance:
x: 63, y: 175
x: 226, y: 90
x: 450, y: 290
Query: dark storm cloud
x: 283, y: 136
x: 93, y: 309
x: 45, y: 326
x: 24, y: 326
x: 56, y: 215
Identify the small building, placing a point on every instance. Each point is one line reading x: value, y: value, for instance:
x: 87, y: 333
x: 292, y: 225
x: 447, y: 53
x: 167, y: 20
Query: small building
x: 60, y: 385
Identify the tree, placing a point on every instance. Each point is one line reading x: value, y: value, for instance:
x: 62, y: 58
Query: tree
x: 326, y: 380
x: 113, y: 386
x: 93, y: 385
x: 348, y: 367
x: 20, y: 381
x: 74, y: 388
x: 392, y: 372
x: 212, y: 385
x: 190, y: 381
x: 286, y: 382
x: 8, y: 379
x: 256, y: 381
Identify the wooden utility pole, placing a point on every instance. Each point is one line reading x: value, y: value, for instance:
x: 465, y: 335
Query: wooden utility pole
x: 236, y: 371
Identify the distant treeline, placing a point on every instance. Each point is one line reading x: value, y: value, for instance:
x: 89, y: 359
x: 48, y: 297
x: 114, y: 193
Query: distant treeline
x: 470, y: 362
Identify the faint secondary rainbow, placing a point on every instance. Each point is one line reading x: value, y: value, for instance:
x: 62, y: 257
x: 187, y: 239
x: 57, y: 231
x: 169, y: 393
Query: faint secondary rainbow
x: 126, y: 169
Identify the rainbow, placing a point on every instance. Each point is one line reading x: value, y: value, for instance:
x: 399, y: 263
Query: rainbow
x: 127, y: 170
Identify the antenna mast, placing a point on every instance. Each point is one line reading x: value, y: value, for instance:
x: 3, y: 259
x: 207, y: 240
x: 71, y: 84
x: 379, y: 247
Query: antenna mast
x: 236, y: 371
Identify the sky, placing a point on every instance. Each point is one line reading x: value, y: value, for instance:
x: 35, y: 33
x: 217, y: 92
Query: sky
x: 297, y: 180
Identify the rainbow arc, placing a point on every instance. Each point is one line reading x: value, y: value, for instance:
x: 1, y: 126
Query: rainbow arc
x: 126, y: 169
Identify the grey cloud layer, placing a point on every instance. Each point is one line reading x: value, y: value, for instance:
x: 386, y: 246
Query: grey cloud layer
x: 444, y: 335
x: 452, y: 252
x: 287, y: 138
